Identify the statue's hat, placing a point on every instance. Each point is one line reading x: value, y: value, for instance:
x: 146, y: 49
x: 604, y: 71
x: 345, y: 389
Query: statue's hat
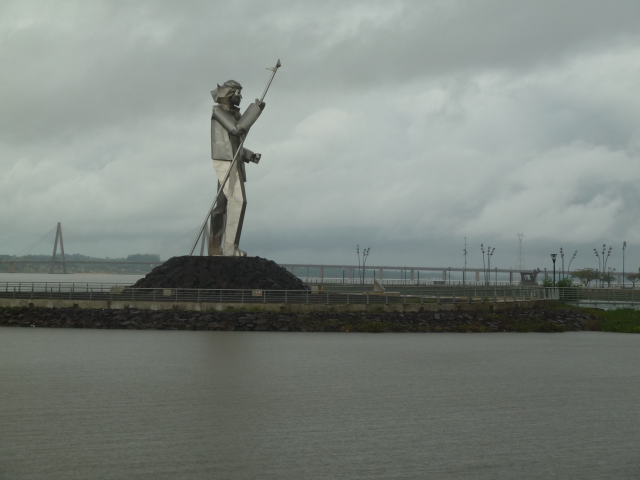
x: 225, y: 90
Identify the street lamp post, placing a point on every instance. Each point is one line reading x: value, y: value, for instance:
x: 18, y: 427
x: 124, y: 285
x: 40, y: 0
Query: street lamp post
x: 562, y: 257
x: 624, y: 245
x: 464, y: 270
x: 605, y: 259
x: 484, y: 270
x: 358, y: 252
x: 553, y: 257
x: 598, y: 269
x: 365, y: 254
x: 569, y: 267
x: 489, y: 255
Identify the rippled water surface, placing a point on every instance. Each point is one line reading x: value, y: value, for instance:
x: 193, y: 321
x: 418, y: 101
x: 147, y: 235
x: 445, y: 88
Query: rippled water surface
x: 101, y: 404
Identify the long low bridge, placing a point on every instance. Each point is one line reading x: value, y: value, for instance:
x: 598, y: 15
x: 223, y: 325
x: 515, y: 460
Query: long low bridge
x: 295, y: 268
x: 300, y: 269
x: 413, y: 273
x: 63, y: 263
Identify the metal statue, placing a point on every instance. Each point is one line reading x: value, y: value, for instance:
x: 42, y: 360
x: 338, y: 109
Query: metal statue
x: 229, y: 130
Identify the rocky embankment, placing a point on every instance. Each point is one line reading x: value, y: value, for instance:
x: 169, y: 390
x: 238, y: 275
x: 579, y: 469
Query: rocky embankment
x: 221, y: 273
x: 505, y: 321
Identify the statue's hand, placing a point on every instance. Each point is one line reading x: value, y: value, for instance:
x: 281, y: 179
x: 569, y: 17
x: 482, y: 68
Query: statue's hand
x: 260, y: 104
x: 255, y: 158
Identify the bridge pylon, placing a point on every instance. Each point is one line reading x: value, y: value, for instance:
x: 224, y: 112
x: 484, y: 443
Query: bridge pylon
x: 55, y: 248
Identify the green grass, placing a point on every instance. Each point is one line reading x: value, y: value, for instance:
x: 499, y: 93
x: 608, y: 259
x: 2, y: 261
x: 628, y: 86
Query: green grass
x: 621, y: 320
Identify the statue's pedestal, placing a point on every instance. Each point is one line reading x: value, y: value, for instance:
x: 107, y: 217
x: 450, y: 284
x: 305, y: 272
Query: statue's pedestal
x: 221, y: 273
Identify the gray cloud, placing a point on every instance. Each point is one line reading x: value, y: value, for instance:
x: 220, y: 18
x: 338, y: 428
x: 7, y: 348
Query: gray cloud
x: 408, y: 125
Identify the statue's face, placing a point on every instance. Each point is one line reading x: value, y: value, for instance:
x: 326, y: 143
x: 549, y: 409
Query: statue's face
x: 235, y: 99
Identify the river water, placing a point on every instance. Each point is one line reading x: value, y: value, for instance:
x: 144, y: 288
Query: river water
x: 112, y: 404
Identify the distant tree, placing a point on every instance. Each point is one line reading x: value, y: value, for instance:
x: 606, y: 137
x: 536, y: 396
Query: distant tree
x: 566, y: 282
x: 562, y: 283
x: 633, y: 277
x: 585, y: 275
x: 607, y: 277
x: 143, y: 257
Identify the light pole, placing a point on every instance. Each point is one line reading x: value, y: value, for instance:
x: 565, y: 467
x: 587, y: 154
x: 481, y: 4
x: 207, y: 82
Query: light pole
x: 562, y: 256
x: 624, y: 245
x: 553, y: 257
x: 598, y: 269
x: 358, y: 252
x: 449, y: 275
x: 496, y: 275
x: 365, y: 254
x: 484, y: 270
x: 569, y: 267
x: 605, y: 259
x: 489, y: 255
x: 464, y: 270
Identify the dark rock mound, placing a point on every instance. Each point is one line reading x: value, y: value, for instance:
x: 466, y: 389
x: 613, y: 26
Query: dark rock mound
x: 221, y: 272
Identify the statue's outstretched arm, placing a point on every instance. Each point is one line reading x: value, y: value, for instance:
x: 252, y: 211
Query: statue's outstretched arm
x: 250, y: 115
x: 245, y: 122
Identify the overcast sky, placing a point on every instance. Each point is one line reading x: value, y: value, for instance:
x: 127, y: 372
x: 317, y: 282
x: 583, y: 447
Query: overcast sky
x: 403, y: 126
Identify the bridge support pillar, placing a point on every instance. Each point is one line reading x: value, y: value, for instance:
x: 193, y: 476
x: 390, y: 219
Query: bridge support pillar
x: 412, y: 272
x: 444, y: 275
x: 380, y: 274
x: 321, y: 274
x: 351, y: 274
x: 477, y: 275
x: 510, y: 277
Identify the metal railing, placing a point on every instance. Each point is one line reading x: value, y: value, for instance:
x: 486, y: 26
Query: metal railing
x: 354, y: 295
x: 399, y: 282
x: 612, y: 297
x: 326, y: 294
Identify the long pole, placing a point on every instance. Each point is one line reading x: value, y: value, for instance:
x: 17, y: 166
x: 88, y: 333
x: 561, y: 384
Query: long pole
x: 465, y: 262
x: 233, y: 162
x: 624, y: 245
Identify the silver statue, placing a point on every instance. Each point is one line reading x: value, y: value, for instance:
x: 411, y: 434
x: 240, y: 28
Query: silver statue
x: 228, y: 129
